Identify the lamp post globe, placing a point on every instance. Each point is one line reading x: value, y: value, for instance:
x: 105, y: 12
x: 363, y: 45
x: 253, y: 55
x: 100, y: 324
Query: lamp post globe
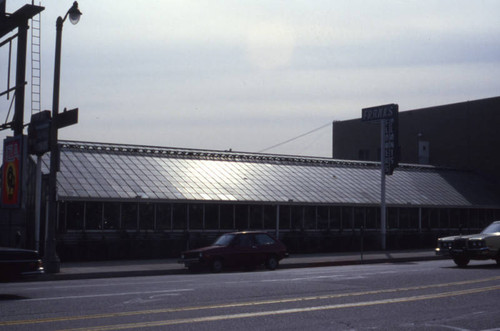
x: 74, y: 13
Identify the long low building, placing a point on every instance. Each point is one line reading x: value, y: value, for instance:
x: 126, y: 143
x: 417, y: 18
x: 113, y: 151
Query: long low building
x: 118, y: 201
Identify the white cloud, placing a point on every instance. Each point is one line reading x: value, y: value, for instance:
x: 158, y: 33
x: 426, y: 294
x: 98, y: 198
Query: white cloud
x: 270, y: 44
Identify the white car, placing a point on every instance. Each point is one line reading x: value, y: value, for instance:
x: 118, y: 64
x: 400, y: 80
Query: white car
x: 482, y: 246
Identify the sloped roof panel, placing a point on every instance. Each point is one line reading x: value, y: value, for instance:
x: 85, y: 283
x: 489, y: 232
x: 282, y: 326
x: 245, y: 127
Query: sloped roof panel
x: 107, y: 171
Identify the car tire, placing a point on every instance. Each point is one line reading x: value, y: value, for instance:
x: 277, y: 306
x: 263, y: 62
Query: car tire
x: 272, y: 262
x: 461, y: 261
x: 193, y: 268
x: 216, y: 266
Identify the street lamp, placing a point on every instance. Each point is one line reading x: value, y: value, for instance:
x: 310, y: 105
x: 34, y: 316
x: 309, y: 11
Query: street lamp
x: 51, y: 260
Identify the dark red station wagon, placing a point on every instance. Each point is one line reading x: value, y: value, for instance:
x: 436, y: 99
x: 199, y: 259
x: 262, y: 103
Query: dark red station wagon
x: 237, y: 249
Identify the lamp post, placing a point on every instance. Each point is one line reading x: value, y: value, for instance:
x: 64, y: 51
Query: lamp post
x: 51, y: 260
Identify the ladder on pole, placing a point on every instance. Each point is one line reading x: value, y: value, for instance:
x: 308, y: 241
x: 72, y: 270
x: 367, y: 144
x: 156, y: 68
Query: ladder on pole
x: 36, y: 63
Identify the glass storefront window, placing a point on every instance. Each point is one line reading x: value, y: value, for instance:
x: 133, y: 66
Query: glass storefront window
x: 347, y: 218
x: 297, y: 217
x: 226, y: 217
x: 256, y: 215
x: 359, y: 217
x: 146, y: 216
x: 241, y: 217
x: 74, y: 212
x: 335, y: 218
x: 129, y: 216
x: 111, y: 219
x: 444, y: 219
x: 372, y: 218
x: 196, y: 216
x: 163, y: 216
x: 93, y: 216
x: 392, y: 218
x: 284, y: 217
x: 270, y: 217
x: 323, y: 217
x: 179, y: 216
x: 412, y: 218
x: 212, y: 216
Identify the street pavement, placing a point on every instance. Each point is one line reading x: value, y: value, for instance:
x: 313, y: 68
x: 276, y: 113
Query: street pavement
x: 131, y: 268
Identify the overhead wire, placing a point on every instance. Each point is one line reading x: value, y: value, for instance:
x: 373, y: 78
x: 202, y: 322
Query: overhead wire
x: 295, y: 138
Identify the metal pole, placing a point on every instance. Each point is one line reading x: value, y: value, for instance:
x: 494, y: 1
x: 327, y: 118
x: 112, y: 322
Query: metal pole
x: 277, y: 221
x: 51, y: 260
x: 38, y: 200
x: 362, y: 239
x: 18, y: 120
x: 420, y: 220
x: 383, y: 229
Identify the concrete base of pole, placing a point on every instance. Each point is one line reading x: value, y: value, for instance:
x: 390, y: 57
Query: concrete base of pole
x: 52, y: 265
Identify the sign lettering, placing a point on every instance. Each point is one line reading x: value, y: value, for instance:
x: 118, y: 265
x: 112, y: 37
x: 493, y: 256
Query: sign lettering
x: 379, y: 113
x: 388, y: 115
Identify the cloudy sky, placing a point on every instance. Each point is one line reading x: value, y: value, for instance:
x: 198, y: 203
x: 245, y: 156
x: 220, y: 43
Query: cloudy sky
x: 247, y: 75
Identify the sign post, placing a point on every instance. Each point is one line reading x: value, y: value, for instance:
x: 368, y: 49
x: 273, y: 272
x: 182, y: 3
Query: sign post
x: 387, y: 115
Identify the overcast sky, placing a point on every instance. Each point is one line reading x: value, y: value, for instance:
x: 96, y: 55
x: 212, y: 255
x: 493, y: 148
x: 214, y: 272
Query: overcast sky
x: 246, y: 75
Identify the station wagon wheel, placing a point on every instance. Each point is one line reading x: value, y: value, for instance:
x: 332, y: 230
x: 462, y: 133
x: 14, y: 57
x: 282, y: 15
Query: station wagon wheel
x: 216, y: 265
x: 461, y: 261
x: 272, y: 262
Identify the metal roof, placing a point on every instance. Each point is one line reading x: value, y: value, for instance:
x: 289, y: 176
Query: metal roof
x: 98, y: 171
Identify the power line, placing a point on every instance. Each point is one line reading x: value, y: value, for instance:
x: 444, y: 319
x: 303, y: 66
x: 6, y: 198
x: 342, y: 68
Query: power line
x: 295, y: 138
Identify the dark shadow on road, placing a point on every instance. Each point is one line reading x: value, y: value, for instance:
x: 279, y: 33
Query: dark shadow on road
x: 11, y: 297
x: 474, y: 267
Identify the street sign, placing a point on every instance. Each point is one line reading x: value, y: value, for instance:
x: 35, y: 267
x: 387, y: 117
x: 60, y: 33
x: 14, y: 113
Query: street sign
x: 67, y: 118
x: 391, y: 144
x: 39, y: 133
x: 388, y: 116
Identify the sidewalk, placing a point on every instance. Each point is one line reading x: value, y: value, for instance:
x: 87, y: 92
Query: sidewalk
x: 129, y: 268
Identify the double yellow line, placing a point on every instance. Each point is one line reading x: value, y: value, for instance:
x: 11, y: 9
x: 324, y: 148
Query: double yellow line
x: 286, y: 311
x: 268, y: 302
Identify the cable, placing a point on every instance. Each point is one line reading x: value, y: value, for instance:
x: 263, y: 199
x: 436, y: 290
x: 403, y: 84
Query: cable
x: 295, y: 138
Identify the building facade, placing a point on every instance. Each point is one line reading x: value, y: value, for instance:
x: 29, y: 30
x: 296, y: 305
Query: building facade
x: 461, y: 136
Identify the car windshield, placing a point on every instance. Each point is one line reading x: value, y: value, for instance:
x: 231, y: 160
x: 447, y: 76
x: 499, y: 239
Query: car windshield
x: 224, y: 240
x: 492, y: 228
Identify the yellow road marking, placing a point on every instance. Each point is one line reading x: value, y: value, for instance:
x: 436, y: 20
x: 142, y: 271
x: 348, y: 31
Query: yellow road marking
x: 287, y: 311
x: 242, y: 304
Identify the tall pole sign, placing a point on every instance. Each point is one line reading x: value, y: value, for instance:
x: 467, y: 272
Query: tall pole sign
x: 387, y: 115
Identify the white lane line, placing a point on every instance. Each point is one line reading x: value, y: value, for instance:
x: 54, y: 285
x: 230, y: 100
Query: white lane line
x: 36, y: 288
x: 109, y: 295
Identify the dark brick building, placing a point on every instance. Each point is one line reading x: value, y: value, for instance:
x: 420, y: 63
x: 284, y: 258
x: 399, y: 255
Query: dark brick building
x: 461, y: 135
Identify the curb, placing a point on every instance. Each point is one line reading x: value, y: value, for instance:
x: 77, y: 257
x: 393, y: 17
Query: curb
x: 182, y: 270
x: 359, y: 262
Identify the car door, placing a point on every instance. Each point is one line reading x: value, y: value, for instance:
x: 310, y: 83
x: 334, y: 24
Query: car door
x: 242, y: 250
x: 265, y: 246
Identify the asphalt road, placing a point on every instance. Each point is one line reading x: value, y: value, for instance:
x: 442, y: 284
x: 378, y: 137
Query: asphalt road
x: 433, y: 295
